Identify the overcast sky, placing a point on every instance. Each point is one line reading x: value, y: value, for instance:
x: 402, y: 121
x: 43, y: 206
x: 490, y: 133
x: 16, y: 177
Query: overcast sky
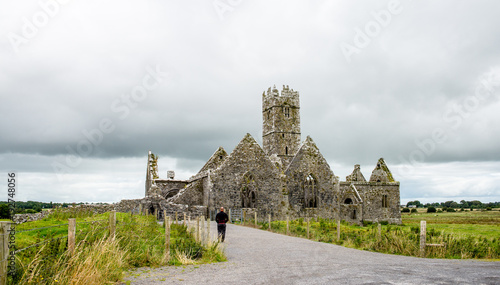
x: 88, y: 87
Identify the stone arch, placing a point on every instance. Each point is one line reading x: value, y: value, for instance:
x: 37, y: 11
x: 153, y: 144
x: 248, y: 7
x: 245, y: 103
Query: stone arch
x: 248, y: 191
x: 310, y: 185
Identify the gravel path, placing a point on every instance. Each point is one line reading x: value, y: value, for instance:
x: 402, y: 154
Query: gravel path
x: 260, y: 257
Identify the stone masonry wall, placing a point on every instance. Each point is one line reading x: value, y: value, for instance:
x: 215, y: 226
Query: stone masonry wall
x: 23, y: 218
x: 281, y: 123
x: 247, y: 161
x: 310, y: 162
x: 372, y: 208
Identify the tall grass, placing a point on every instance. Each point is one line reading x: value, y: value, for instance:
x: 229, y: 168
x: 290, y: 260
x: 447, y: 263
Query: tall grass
x: 101, y: 259
x: 99, y: 263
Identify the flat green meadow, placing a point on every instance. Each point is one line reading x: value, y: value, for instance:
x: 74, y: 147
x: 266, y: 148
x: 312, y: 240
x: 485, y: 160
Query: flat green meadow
x: 475, y: 223
x: 463, y: 235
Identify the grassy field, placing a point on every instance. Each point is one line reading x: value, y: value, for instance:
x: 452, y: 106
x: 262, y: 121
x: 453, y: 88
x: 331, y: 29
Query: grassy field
x: 476, y: 223
x: 466, y: 234
x: 99, y: 259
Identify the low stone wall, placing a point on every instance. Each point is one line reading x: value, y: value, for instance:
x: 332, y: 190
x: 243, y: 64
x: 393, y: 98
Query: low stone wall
x: 23, y: 218
x: 180, y: 209
x: 146, y: 205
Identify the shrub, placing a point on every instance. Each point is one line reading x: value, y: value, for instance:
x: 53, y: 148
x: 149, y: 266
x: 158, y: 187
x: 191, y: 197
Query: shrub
x: 488, y: 209
x: 431, y: 210
x: 414, y: 210
x: 450, y: 210
x: 367, y: 223
x: 405, y: 210
x: 4, y: 211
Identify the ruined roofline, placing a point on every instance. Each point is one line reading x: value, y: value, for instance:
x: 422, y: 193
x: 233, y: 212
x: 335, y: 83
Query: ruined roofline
x: 309, y: 141
x: 198, y: 176
x: 218, y: 150
x: 295, y: 155
x: 286, y: 91
x: 356, y: 193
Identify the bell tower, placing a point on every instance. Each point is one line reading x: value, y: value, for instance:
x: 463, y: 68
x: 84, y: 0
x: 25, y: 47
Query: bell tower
x: 281, y: 123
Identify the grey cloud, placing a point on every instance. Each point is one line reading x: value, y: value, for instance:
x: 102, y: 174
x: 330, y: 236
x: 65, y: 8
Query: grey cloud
x: 392, y: 94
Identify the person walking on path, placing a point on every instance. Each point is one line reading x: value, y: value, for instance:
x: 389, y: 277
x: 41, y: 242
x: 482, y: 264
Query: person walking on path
x: 221, y: 218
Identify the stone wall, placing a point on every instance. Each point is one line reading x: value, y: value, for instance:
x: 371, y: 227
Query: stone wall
x: 170, y: 187
x: 247, y: 179
x: 311, y: 183
x: 23, y: 218
x: 371, y: 208
x: 191, y: 195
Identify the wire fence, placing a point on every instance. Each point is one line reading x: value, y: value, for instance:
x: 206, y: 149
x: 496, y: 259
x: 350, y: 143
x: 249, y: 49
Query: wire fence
x: 42, y: 228
x: 38, y: 244
x: 94, y: 227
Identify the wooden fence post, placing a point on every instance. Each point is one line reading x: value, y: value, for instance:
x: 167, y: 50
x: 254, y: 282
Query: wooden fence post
x: 423, y: 229
x: 287, y: 225
x: 198, y: 228
x: 71, y: 235
x: 208, y: 230
x: 379, y: 231
x: 244, y: 216
x: 185, y: 219
x: 165, y: 221
x: 140, y: 209
x: 202, y: 240
x: 176, y: 217
x: 338, y: 229
x: 112, y: 224
x: 255, y: 214
x: 308, y: 228
x: 4, y: 250
x: 167, y: 238
x: 269, y: 219
x: 156, y: 213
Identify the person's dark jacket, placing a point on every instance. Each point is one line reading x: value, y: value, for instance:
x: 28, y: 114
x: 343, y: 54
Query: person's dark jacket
x: 221, y: 218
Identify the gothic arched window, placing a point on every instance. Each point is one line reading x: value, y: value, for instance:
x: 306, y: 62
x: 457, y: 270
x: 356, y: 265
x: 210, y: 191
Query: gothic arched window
x: 248, y: 191
x: 310, y: 192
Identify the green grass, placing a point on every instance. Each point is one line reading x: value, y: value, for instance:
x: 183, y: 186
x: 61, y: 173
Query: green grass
x: 476, y: 223
x: 98, y: 259
x: 466, y: 217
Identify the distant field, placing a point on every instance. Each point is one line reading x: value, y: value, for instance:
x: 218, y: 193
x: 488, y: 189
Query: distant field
x: 476, y: 223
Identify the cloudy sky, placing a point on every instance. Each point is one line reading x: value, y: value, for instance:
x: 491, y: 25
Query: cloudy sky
x: 88, y: 87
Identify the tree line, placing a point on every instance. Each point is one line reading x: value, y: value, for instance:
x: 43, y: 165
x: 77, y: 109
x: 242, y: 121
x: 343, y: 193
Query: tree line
x: 474, y: 204
x: 31, y: 207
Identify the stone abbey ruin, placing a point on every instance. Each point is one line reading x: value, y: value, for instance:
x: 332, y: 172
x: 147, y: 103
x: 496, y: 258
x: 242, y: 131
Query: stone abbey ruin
x: 284, y: 177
